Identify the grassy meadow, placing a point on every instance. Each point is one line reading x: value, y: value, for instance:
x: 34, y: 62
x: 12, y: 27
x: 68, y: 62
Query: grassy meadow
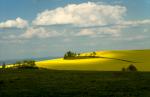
x: 60, y: 83
x: 108, y: 61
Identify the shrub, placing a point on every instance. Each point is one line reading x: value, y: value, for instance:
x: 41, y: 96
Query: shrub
x: 3, y: 66
x: 26, y: 64
x: 131, y: 68
x: 94, y: 54
x: 123, y: 69
x: 70, y: 54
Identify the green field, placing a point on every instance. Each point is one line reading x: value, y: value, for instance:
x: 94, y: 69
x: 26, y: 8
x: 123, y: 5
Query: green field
x: 87, y: 77
x: 53, y: 83
x: 109, y: 61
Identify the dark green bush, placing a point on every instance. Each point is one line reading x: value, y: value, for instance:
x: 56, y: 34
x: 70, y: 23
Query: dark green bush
x: 123, y: 69
x: 3, y: 66
x: 69, y: 54
x: 131, y: 68
x: 26, y: 64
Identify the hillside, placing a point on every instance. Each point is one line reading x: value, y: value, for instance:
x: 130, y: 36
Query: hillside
x: 61, y: 83
x: 108, y: 61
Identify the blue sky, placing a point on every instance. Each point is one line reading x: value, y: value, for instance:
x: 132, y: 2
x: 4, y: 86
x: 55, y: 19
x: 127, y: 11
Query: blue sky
x: 41, y: 28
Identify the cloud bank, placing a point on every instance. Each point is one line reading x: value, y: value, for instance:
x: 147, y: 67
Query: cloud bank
x: 85, y: 14
x: 89, y: 19
x: 17, y: 23
x: 39, y: 33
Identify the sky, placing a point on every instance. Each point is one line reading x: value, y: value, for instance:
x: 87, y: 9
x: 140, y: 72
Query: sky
x: 42, y: 28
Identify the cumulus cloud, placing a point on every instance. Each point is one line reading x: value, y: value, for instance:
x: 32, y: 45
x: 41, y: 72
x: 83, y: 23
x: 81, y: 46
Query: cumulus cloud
x: 17, y: 23
x: 85, y: 14
x: 115, y: 30
x: 92, y: 19
x: 132, y: 38
x: 130, y: 23
x: 101, y: 31
x: 12, y: 41
x: 89, y: 15
x: 32, y: 32
x: 39, y: 32
x: 86, y: 32
x: 112, y: 31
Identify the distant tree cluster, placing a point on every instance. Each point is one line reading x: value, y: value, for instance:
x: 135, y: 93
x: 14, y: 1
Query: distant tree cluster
x: 3, y: 65
x: 130, y: 68
x: 70, y: 54
x: 73, y: 55
x: 25, y: 64
x: 93, y: 54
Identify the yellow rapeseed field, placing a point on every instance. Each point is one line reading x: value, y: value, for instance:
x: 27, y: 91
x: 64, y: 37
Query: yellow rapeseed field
x: 109, y: 61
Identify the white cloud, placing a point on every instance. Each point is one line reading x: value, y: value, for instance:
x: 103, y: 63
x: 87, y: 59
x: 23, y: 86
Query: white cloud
x: 135, y: 23
x: 17, y: 23
x: 86, y: 32
x: 101, y: 32
x: 67, y: 40
x: 146, y: 30
x: 138, y: 37
x: 85, y: 14
x: 132, y: 38
x: 88, y: 15
x: 115, y: 30
x: 13, y: 40
x: 39, y: 32
x: 31, y: 32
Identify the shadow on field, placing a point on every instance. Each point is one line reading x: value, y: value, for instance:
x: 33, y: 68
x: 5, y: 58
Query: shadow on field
x: 61, y: 83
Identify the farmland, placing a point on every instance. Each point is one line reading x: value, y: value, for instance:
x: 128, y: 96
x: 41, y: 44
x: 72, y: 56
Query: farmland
x: 108, y: 61
x: 61, y: 83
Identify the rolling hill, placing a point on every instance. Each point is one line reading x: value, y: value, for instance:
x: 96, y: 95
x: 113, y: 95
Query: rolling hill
x: 107, y: 61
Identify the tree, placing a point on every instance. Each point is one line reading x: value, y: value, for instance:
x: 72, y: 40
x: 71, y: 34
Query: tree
x: 132, y: 68
x: 69, y: 54
x: 18, y: 64
x: 123, y: 69
x: 78, y: 54
x: 26, y: 64
x: 93, y: 54
x: 4, y: 65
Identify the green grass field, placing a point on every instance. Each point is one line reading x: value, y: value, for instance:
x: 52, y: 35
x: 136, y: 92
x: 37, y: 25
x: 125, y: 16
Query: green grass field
x: 111, y: 61
x: 52, y: 83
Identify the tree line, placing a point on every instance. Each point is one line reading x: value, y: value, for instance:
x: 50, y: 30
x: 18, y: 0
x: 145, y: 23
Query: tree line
x: 22, y: 64
x: 74, y: 55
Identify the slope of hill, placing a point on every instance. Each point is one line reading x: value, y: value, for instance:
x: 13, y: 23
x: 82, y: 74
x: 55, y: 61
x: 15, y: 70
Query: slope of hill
x: 108, y: 61
x: 61, y: 83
